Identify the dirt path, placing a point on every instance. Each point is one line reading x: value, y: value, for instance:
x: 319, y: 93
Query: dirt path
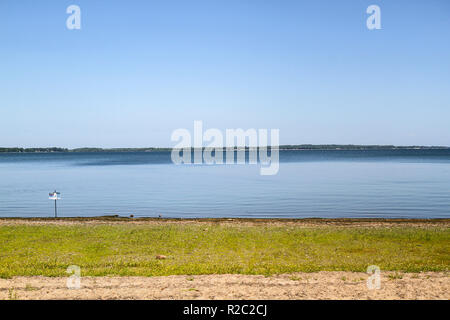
x: 320, y: 285
x: 309, y: 222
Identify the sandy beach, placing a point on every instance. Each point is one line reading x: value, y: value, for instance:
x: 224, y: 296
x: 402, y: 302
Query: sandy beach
x: 319, y: 285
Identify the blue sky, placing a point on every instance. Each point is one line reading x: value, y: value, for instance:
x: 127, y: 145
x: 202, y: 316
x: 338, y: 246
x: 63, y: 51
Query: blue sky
x: 137, y: 70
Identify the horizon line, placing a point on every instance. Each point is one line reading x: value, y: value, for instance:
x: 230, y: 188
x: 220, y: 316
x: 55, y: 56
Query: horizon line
x: 281, y: 147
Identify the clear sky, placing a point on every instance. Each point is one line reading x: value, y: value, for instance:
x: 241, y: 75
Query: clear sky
x: 137, y: 70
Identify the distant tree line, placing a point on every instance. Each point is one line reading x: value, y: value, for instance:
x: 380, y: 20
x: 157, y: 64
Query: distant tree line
x: 354, y: 147
x: 25, y: 150
x: 282, y: 147
x: 119, y: 149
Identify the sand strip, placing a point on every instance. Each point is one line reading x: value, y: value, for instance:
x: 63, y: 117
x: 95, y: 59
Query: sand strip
x: 319, y: 285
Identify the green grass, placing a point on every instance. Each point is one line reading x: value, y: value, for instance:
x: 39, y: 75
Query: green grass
x: 12, y: 295
x: 395, y: 276
x: 191, y: 249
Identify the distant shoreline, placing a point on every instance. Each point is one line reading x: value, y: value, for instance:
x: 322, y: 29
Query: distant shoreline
x: 303, y: 147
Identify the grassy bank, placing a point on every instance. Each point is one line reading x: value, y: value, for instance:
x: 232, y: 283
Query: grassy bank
x: 129, y: 249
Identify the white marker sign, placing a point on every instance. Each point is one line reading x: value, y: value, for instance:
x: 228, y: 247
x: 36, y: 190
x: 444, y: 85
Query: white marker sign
x: 54, y: 196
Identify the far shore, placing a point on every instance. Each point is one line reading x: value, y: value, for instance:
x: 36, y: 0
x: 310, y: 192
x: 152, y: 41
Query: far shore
x: 296, y: 147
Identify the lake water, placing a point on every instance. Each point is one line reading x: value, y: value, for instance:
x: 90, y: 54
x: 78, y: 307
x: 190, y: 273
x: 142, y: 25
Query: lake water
x: 327, y: 184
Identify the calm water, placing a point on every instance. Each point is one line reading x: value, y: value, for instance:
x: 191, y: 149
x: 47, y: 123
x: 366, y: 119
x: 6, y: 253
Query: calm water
x: 394, y: 184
